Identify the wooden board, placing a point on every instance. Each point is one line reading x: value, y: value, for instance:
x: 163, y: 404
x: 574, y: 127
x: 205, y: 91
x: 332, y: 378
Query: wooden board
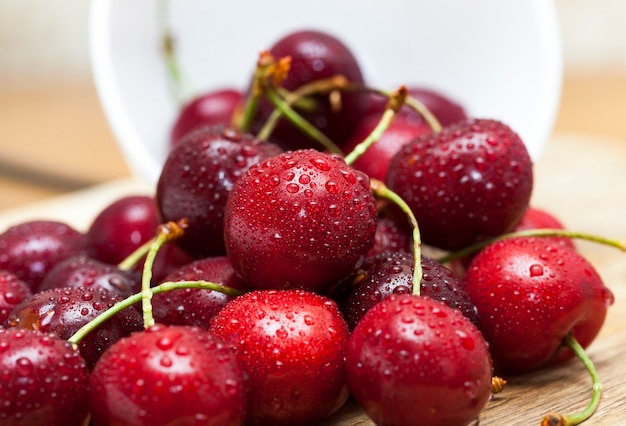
x: 580, y: 178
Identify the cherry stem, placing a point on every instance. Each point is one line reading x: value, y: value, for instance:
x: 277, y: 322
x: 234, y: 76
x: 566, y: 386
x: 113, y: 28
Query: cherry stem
x: 132, y: 259
x: 410, y: 101
x: 555, y: 419
x: 299, y: 97
x: 166, y: 233
x: 395, y: 102
x: 542, y: 232
x: 263, y: 67
x: 180, y: 87
x: 299, y: 121
x: 135, y: 298
x: 382, y: 191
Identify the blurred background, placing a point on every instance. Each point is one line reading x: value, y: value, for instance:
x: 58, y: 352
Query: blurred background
x: 54, y: 137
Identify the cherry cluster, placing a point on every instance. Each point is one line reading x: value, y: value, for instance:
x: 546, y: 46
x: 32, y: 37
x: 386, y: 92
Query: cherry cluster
x: 317, y: 241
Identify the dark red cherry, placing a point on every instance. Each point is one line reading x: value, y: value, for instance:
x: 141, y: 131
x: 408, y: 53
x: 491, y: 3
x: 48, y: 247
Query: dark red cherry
x: 12, y: 292
x: 30, y: 249
x: 208, y: 109
x: 43, y: 380
x: 316, y: 55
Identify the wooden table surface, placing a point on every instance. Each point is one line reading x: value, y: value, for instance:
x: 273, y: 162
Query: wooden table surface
x: 58, y: 159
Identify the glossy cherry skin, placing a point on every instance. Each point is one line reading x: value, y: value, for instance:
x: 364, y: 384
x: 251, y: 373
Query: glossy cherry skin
x: 83, y: 271
x: 43, y: 380
x: 530, y: 293
x: 196, y: 181
x: 208, y: 109
x: 469, y: 182
x: 196, y: 306
x: 301, y: 219
x: 167, y: 376
x: 12, y: 292
x: 63, y: 311
x: 412, y: 360
x: 316, y: 55
x: 30, y: 249
x: 290, y: 344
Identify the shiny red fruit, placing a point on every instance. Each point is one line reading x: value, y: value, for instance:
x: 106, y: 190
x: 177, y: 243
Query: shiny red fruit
x: 530, y: 293
x: 290, y: 344
x: 301, y: 219
x: 412, y: 360
x: 167, y: 376
x: 43, y: 380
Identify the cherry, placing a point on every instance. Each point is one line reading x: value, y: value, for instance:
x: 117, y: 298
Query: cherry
x: 413, y: 360
x: 530, y: 294
x: 63, y: 311
x: 215, y: 107
x: 290, y: 343
x: 165, y: 376
x: 197, y: 178
x: 44, y: 380
x: 30, y: 249
x: 471, y: 181
x: 122, y: 227
x: 300, y: 219
x: 83, y: 271
x: 196, y: 306
x: 12, y: 292
x: 316, y: 55
x: 389, y: 273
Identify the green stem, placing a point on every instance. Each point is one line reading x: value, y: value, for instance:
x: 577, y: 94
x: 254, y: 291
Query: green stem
x: 555, y: 419
x: 382, y: 191
x: 299, y: 121
x: 543, y: 232
x: 396, y: 100
x: 179, y: 85
x: 146, y: 279
x: 300, y: 98
x: 134, y: 258
x: 135, y: 298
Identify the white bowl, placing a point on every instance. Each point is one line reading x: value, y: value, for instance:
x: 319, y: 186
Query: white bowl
x: 500, y: 59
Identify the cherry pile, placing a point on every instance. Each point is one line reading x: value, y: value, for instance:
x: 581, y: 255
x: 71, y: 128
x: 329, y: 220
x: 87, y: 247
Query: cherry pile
x: 311, y: 242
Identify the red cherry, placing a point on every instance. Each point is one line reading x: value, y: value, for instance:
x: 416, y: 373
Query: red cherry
x: 316, y: 55
x: 469, y: 182
x: 30, y: 249
x: 196, y: 306
x: 302, y: 219
x: 290, y: 344
x: 166, y: 376
x: 63, y: 311
x: 412, y: 360
x: 208, y: 109
x: 43, y: 380
x: 530, y: 293
x: 196, y: 181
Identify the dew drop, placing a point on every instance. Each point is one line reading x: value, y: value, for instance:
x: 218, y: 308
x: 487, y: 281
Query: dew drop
x: 166, y: 361
x: 292, y: 188
x: 332, y: 187
x: 536, y: 270
x: 165, y: 343
x: 321, y: 164
x: 23, y: 366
